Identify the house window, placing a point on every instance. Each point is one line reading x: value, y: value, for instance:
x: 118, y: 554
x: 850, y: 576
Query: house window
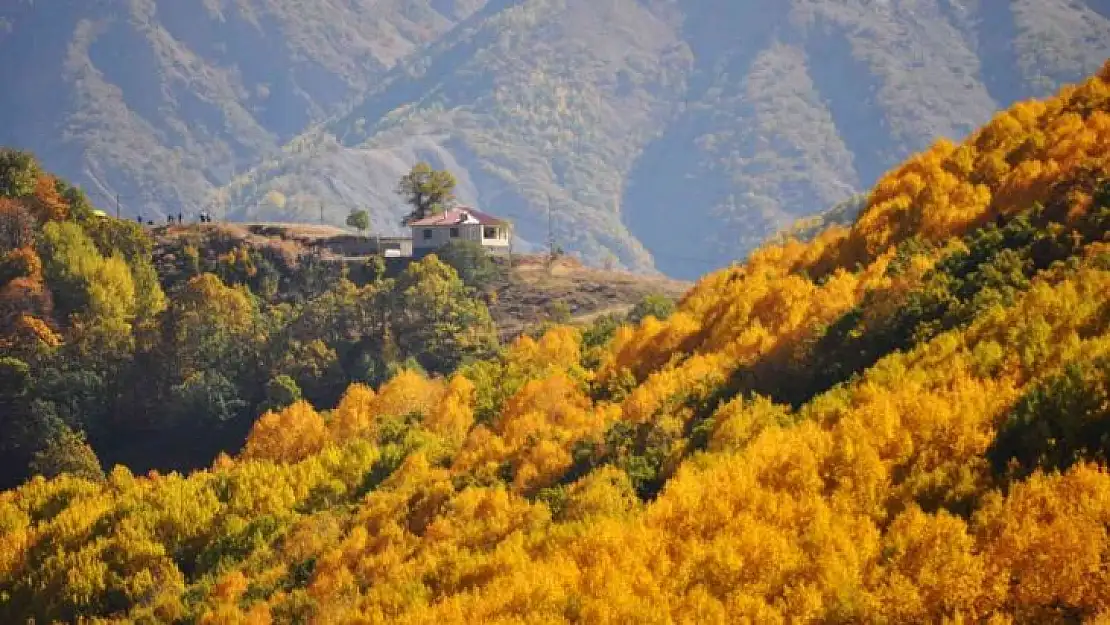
x: 489, y: 233
x: 454, y: 233
x: 427, y: 234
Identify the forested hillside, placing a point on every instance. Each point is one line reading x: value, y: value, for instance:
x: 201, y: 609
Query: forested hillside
x: 162, y: 360
x: 904, y: 420
x: 158, y: 347
x: 667, y: 134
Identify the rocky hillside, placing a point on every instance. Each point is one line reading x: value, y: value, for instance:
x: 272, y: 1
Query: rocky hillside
x: 666, y: 134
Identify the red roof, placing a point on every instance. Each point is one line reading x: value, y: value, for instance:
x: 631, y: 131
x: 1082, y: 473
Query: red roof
x: 455, y: 216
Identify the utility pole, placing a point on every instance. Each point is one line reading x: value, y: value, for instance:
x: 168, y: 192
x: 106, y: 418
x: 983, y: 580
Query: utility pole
x: 321, y: 211
x: 550, y: 229
x: 377, y: 233
x: 117, y: 206
x: 225, y: 193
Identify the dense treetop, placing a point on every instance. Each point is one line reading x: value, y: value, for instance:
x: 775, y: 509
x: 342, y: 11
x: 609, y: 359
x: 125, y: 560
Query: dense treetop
x: 904, y: 420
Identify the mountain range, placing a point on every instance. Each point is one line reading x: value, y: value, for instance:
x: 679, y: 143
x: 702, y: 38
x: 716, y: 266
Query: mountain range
x: 667, y: 135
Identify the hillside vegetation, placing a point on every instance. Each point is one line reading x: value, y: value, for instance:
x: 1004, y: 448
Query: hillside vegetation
x: 671, y: 134
x: 158, y: 347
x: 536, y: 290
x: 905, y: 420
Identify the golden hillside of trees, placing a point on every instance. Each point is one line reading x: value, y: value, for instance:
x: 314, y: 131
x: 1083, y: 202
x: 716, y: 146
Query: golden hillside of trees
x: 907, y: 420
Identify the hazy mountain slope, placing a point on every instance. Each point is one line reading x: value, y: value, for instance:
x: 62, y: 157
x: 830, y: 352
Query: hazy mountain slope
x: 690, y: 129
x: 671, y: 134
x: 161, y: 100
x: 543, y: 98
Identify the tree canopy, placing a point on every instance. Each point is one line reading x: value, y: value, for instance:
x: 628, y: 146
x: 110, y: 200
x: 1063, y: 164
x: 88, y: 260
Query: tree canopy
x: 359, y: 220
x: 427, y: 191
x: 898, y: 422
x: 473, y: 262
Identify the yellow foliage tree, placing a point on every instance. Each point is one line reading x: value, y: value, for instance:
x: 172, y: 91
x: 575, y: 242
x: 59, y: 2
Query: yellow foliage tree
x: 287, y: 436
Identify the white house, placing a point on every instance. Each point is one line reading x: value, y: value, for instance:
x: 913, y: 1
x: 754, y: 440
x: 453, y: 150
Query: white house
x: 459, y: 224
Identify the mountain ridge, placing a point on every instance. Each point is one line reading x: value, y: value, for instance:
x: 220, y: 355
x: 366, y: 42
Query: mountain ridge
x: 655, y: 131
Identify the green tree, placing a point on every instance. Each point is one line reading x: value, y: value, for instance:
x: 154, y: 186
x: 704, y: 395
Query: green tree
x: 472, y: 261
x: 359, y: 220
x: 596, y: 336
x: 281, y: 391
x: 19, y: 171
x: 373, y: 270
x: 69, y: 261
x: 1061, y: 421
x: 652, y: 305
x: 437, y: 320
x: 71, y: 391
x: 15, y: 376
x: 102, y: 289
x: 428, y: 191
x: 67, y: 451
x: 315, y: 368
x: 120, y: 236
x: 206, y: 397
x: 80, y: 207
x: 149, y: 298
x: 210, y: 327
x: 16, y: 431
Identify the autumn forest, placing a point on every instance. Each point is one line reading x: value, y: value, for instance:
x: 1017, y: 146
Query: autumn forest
x: 903, y: 420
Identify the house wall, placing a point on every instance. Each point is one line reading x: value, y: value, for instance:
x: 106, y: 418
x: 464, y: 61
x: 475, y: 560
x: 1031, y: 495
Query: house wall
x: 441, y: 235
